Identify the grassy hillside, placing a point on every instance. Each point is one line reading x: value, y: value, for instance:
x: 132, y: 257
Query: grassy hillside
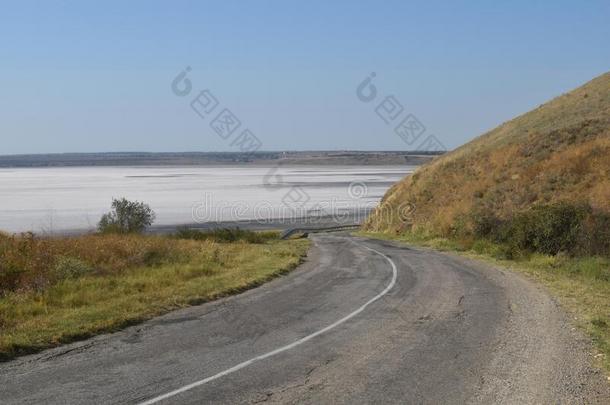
x: 558, y: 152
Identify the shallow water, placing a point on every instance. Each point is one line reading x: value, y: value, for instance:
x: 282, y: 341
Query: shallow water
x: 59, y: 199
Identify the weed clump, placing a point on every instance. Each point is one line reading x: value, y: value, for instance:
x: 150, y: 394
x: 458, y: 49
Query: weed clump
x: 70, y: 267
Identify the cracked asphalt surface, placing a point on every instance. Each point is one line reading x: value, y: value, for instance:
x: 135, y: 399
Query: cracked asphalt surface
x: 450, y: 330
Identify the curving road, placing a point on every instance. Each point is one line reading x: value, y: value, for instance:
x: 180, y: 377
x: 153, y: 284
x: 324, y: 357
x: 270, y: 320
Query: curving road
x: 363, y: 321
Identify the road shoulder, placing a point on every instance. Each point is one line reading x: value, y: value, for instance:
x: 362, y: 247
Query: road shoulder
x: 539, y: 329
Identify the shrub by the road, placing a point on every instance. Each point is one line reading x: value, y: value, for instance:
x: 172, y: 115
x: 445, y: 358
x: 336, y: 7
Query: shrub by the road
x: 574, y: 229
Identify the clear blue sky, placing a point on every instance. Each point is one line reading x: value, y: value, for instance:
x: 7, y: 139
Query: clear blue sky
x: 84, y: 76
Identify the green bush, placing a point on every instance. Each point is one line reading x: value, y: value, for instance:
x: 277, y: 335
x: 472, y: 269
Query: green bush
x: 126, y: 217
x: 484, y: 222
x: 548, y: 229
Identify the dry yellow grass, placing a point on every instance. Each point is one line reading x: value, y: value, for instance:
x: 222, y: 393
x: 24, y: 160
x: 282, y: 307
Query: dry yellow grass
x: 86, y: 304
x: 29, y: 262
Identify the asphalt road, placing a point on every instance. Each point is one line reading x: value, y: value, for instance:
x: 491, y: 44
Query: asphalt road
x: 363, y: 321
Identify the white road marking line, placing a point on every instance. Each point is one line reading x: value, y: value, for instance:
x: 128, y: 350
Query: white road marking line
x: 287, y: 347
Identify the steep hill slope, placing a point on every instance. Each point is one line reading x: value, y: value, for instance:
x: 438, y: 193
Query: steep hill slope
x: 558, y: 152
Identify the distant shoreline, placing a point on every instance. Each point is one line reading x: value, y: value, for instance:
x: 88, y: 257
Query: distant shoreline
x: 348, y: 217
x: 362, y: 158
